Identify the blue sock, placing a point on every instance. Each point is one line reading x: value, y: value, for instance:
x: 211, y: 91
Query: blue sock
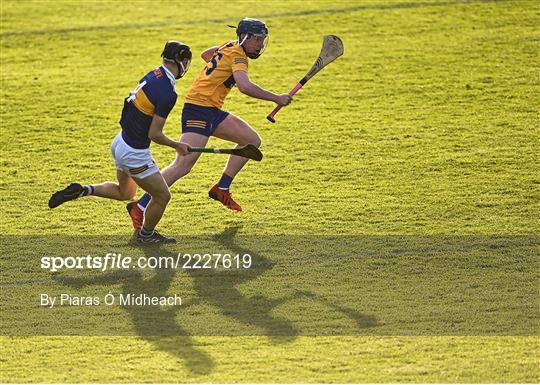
x: 143, y: 202
x: 145, y: 233
x: 87, y: 190
x: 225, y: 182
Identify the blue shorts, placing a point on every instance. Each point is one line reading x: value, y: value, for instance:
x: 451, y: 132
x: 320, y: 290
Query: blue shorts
x: 200, y: 119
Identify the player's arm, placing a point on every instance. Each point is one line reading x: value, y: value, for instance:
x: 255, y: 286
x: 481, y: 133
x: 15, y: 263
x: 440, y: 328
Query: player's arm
x: 207, y: 54
x: 251, y: 89
x: 155, y: 134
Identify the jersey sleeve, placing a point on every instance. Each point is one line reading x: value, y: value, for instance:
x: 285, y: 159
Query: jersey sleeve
x: 239, y: 63
x: 165, y: 105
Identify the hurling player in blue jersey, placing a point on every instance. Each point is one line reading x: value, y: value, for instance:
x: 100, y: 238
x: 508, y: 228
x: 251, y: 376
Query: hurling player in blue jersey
x: 144, y: 114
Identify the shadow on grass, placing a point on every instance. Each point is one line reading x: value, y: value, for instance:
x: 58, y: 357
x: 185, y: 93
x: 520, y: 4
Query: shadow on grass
x: 313, y: 285
x: 215, y: 288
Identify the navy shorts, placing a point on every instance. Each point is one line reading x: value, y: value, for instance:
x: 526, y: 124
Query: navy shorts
x: 200, y: 119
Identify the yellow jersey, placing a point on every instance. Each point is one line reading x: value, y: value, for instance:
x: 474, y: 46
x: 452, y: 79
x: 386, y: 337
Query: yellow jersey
x: 216, y: 80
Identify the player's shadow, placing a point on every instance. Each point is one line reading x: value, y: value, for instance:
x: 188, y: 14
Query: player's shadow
x: 155, y: 324
x: 168, y: 329
x: 256, y: 314
x: 220, y: 289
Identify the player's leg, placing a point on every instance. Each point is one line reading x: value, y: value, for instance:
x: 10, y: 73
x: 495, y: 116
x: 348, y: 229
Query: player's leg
x: 155, y: 185
x: 180, y: 167
x: 236, y: 130
x: 128, y: 162
x: 124, y: 190
x: 183, y: 164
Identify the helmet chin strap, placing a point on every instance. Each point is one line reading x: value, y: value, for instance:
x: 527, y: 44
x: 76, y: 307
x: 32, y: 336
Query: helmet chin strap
x: 243, y: 40
x: 180, y: 73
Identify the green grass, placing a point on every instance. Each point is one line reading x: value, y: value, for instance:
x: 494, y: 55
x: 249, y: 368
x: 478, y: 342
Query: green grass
x: 426, y: 127
x: 308, y: 359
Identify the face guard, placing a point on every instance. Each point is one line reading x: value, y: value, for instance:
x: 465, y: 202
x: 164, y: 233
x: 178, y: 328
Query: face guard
x: 252, y: 27
x: 255, y: 55
x: 178, y: 53
x: 183, y: 67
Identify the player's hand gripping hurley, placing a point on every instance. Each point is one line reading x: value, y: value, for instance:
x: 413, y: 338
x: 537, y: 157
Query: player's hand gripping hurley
x: 332, y: 49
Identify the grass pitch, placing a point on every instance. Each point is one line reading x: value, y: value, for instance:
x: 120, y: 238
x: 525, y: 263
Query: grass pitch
x: 426, y: 127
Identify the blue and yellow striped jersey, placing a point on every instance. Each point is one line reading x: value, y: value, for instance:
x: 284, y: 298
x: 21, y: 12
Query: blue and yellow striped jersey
x: 155, y: 95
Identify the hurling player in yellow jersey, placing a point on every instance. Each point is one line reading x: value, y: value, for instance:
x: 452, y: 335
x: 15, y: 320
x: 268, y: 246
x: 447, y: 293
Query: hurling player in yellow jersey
x: 226, y: 66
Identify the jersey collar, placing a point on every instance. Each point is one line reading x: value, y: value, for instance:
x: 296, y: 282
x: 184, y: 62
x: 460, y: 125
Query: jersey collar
x: 235, y: 44
x: 169, y: 75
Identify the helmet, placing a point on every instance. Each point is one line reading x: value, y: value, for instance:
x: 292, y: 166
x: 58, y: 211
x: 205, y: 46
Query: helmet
x: 252, y: 27
x: 179, y: 53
